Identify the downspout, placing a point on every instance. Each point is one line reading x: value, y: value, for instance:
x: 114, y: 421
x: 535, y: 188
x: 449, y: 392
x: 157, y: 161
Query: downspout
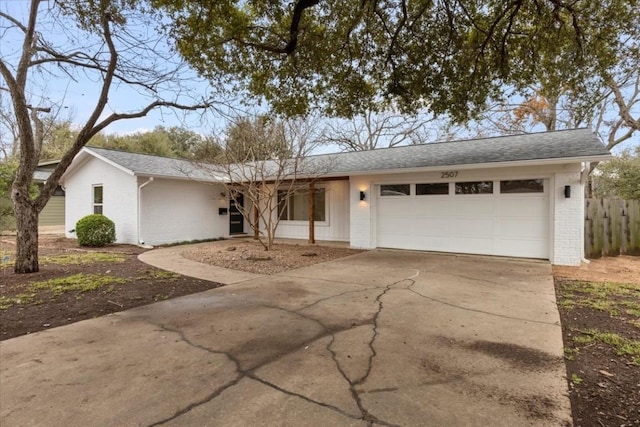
x: 584, y: 175
x: 140, y: 187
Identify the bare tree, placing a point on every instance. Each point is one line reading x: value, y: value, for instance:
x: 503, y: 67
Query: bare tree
x: 271, y: 166
x: 110, y: 43
x: 371, y: 130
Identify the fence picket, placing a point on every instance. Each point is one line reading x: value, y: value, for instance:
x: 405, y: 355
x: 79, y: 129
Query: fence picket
x: 612, y: 227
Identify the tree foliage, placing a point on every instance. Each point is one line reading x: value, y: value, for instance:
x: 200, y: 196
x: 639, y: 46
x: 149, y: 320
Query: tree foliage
x: 619, y: 177
x: 605, y: 97
x: 350, y: 57
x: 258, y: 138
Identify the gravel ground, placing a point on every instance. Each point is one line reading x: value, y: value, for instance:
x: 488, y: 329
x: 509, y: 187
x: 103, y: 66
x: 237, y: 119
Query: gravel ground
x: 248, y: 255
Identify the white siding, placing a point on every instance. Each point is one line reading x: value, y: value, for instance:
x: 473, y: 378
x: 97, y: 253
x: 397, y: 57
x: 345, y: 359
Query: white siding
x: 175, y: 210
x: 119, y: 198
x: 336, y: 227
x: 565, y: 222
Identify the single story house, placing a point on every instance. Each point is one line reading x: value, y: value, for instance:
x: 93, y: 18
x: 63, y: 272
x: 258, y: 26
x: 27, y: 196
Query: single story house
x: 52, y: 216
x: 517, y: 196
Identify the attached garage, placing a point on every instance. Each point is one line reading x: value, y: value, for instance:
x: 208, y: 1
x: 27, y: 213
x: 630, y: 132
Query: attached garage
x: 493, y: 217
x: 515, y: 196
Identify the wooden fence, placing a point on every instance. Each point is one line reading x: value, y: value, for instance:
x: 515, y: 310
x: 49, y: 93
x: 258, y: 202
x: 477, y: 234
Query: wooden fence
x: 612, y: 227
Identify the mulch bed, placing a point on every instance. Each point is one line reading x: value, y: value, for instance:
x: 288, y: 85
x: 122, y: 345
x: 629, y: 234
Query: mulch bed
x: 608, y: 388
x: 144, y: 284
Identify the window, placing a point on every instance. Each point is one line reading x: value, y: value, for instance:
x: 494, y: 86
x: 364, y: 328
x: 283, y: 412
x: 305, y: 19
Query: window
x: 432, y: 189
x: 522, y: 186
x: 395, y: 190
x: 97, y: 199
x: 474, y: 187
x: 295, y: 207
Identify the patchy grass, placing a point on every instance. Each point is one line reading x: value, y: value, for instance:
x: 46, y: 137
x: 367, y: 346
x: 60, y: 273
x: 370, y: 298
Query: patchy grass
x: 615, y: 299
x: 623, y: 346
x: 76, y: 258
x: 575, y: 379
x: 159, y: 275
x: 78, y: 283
x: 82, y: 258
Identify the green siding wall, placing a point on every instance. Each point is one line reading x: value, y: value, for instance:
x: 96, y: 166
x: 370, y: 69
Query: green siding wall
x: 53, y: 212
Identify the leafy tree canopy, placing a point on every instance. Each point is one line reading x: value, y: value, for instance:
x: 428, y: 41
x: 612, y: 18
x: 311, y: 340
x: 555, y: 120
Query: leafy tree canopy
x: 346, y: 57
x: 619, y: 177
x: 253, y: 139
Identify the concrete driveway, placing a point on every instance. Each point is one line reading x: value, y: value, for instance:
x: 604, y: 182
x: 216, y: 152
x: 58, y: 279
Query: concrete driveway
x: 379, y: 338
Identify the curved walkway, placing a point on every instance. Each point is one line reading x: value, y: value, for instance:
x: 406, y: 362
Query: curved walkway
x: 171, y: 259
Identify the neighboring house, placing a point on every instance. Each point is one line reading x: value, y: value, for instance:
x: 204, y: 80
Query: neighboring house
x: 52, y: 216
x: 518, y: 196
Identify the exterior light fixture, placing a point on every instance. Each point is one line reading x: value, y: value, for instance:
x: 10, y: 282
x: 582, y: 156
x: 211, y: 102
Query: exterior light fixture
x: 363, y: 196
x: 567, y: 191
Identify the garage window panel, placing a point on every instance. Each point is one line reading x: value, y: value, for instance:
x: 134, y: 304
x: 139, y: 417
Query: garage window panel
x: 522, y: 186
x: 432, y: 189
x: 395, y: 190
x: 474, y: 187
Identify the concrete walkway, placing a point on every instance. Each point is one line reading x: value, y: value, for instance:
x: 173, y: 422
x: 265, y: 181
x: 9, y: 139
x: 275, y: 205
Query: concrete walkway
x: 378, y: 338
x: 170, y: 258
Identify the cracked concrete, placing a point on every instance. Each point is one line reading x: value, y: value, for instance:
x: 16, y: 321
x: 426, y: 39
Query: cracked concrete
x: 382, y: 338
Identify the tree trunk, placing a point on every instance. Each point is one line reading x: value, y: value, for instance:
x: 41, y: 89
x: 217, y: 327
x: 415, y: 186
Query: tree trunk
x: 27, y: 239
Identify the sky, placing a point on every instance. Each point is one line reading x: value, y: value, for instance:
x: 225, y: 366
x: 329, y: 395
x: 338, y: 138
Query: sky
x: 76, y: 96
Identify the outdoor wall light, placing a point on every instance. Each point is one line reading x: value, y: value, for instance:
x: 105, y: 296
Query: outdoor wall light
x: 567, y: 191
x: 363, y: 196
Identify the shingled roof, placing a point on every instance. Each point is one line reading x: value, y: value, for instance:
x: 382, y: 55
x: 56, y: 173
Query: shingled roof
x: 571, y: 145
x: 577, y: 144
x: 149, y: 165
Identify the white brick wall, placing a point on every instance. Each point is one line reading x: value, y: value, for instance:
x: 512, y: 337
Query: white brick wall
x: 568, y: 219
x: 119, y: 198
x: 362, y: 214
x: 566, y: 215
x: 175, y: 211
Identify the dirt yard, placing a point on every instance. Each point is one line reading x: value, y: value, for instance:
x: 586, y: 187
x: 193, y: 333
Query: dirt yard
x: 77, y: 283
x: 249, y: 255
x: 599, y: 307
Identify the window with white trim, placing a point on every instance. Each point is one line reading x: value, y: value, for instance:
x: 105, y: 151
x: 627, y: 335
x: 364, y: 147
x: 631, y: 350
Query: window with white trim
x: 295, y: 206
x: 97, y: 199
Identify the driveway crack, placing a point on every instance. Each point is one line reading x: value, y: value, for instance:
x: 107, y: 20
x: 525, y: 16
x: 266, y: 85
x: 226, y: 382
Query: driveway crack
x: 461, y: 307
x: 365, y: 415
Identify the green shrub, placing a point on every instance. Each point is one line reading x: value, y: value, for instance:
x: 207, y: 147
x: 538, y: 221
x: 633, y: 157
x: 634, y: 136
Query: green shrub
x: 95, y: 230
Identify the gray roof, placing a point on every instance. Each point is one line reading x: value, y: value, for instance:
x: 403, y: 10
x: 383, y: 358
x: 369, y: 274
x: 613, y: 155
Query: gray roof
x: 574, y: 145
x: 41, y: 176
x: 149, y: 165
x: 567, y: 144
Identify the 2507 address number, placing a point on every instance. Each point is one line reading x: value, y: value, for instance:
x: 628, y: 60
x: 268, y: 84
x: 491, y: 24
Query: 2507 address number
x: 449, y: 174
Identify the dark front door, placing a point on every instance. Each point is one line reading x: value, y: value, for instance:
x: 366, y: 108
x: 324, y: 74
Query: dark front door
x: 236, y: 221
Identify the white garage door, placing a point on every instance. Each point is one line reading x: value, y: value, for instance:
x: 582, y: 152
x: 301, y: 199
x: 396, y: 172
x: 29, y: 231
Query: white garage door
x: 508, y: 218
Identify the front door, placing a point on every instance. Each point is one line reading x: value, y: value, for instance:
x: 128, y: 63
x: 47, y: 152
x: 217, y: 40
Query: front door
x: 236, y: 221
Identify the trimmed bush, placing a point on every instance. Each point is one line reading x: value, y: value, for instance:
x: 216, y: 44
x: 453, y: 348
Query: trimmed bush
x: 95, y: 230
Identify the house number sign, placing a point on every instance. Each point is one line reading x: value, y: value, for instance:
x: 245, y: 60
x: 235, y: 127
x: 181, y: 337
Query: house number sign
x: 448, y: 174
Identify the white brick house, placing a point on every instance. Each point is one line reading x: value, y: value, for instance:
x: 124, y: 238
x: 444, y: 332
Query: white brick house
x: 520, y: 196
